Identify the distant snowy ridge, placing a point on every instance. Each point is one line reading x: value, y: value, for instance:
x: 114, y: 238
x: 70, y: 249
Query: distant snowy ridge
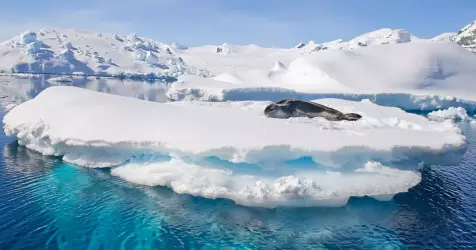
x: 76, y: 52
x: 444, y: 37
x: 466, y: 37
x: 381, y: 36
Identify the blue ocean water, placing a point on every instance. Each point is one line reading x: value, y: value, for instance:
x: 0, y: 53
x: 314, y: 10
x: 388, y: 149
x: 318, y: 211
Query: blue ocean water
x: 48, y: 204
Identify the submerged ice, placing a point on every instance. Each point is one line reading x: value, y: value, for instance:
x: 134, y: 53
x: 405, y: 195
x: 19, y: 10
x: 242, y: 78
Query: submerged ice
x: 306, y: 188
x: 231, y: 150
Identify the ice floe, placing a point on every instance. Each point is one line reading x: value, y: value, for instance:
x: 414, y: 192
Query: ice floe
x: 231, y: 150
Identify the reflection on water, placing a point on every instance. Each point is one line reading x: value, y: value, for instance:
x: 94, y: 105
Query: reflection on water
x: 48, y: 204
x: 18, y: 90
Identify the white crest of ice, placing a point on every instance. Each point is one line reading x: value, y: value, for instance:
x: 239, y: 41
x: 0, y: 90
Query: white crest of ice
x: 444, y: 37
x: 28, y: 37
x: 452, y: 113
x: 178, y: 46
x: 383, y: 36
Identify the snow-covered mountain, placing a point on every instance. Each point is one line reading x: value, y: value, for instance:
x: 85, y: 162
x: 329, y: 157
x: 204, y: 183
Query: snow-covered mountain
x: 78, y: 52
x: 381, y: 36
x: 63, y: 51
x: 447, y: 37
x: 466, y: 37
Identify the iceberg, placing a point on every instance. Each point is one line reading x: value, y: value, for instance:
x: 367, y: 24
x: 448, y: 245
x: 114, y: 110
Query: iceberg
x: 231, y: 150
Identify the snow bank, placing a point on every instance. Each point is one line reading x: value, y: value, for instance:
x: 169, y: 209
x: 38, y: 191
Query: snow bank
x: 232, y: 150
x: 452, y: 113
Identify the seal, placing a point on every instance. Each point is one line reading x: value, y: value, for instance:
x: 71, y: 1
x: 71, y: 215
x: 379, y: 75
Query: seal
x: 297, y: 108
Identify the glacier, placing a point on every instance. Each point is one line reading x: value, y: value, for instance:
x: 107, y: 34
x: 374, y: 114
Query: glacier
x: 231, y: 150
x: 423, y: 75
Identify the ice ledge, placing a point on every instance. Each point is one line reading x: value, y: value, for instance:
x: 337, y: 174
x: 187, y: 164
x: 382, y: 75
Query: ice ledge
x: 406, y: 101
x: 80, y: 123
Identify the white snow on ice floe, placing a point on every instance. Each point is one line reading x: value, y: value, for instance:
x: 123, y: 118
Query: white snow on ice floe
x: 452, y: 113
x: 296, y: 162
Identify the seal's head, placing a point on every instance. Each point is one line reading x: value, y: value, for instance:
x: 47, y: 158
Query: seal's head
x: 352, y: 117
x: 276, y: 111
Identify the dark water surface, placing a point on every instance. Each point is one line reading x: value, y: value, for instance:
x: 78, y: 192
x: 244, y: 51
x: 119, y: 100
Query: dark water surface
x: 48, y: 204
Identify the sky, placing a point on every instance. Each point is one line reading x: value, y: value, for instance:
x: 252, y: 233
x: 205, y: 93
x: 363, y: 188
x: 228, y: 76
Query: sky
x: 270, y: 23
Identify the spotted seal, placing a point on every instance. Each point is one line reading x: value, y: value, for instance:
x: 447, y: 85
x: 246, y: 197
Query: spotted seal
x: 297, y: 108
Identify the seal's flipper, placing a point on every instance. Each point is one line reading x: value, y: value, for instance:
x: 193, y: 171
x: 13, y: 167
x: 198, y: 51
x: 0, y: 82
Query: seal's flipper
x: 352, y: 116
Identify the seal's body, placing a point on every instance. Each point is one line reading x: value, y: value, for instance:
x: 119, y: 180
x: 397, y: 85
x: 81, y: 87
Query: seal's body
x: 297, y: 108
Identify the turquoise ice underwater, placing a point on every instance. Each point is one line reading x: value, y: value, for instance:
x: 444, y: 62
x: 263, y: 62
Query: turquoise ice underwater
x: 48, y: 204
